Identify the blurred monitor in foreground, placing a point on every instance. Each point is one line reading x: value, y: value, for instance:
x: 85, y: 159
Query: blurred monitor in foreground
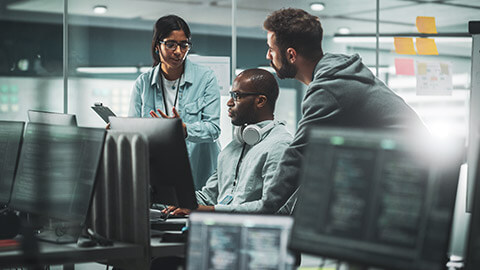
x: 375, y: 198
x: 11, y: 134
x: 56, y: 175
x: 472, y: 260
x: 238, y: 241
x: 170, y: 174
x: 52, y: 118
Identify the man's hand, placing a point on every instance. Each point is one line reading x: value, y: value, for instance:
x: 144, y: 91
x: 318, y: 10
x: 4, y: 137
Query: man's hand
x: 175, y: 211
x: 175, y: 115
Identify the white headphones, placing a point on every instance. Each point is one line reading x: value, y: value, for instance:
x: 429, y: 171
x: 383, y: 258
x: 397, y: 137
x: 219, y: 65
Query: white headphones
x: 251, y: 134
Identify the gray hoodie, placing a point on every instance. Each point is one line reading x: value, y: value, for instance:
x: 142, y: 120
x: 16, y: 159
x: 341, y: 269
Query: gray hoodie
x: 343, y: 93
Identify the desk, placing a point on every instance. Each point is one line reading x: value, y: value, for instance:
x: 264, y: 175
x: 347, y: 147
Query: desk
x: 53, y: 254
x: 159, y: 249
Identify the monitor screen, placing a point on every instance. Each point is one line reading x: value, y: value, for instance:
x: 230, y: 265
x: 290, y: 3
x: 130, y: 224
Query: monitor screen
x: 170, y: 174
x: 238, y: 241
x: 11, y: 134
x: 376, y: 199
x: 52, y: 118
x: 56, y: 172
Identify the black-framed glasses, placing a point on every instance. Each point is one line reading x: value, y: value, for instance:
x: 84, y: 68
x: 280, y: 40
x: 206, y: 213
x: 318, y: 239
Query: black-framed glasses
x: 172, y: 45
x: 235, y: 95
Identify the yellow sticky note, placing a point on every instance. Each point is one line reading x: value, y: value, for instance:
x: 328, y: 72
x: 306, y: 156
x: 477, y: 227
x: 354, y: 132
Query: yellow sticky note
x: 403, y: 45
x: 426, y: 25
x: 426, y: 46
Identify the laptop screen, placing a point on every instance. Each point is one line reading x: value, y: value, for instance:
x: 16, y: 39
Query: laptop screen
x: 238, y: 241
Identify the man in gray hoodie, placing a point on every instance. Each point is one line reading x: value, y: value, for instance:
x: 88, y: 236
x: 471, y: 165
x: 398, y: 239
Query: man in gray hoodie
x: 341, y: 91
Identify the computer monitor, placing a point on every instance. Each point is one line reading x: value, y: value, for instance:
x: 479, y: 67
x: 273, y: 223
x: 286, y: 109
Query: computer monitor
x: 472, y: 259
x: 11, y: 134
x: 170, y: 173
x: 56, y: 173
x: 376, y: 198
x: 52, y: 118
x: 238, y: 241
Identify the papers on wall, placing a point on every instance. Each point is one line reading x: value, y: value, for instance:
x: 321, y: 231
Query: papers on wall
x: 220, y: 65
x: 434, y: 78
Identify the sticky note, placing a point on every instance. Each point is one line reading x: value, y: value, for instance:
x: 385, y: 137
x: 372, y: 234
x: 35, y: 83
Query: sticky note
x: 426, y: 46
x: 403, y: 45
x: 404, y: 66
x: 426, y: 25
x: 421, y: 68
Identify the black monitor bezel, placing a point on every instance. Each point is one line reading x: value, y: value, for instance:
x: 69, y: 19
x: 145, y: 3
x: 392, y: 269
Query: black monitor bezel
x: 166, y: 143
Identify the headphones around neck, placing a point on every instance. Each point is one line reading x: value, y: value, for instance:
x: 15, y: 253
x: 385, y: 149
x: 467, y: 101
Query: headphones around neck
x: 251, y: 134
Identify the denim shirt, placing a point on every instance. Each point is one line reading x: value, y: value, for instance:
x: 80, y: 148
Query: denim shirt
x: 255, y: 173
x: 199, y: 107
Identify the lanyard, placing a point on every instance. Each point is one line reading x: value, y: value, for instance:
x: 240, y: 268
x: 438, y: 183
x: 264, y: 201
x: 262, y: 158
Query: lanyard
x: 235, y: 180
x: 163, y: 93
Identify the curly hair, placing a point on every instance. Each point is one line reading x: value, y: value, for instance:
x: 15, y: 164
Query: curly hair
x: 297, y: 29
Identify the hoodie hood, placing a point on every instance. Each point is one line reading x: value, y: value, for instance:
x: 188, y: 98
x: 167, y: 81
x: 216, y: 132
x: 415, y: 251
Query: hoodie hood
x: 340, y: 65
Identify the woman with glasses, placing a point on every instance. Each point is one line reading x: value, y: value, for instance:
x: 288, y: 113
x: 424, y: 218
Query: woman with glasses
x: 177, y: 88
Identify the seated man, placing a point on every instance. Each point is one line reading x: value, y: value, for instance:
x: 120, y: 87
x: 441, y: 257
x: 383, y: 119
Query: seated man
x: 246, y: 166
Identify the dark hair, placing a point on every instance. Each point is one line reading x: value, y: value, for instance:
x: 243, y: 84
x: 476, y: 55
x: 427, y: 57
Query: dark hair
x: 262, y: 81
x: 163, y: 28
x: 297, y: 29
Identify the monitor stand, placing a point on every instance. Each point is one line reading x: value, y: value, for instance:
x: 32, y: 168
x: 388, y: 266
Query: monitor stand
x: 60, y: 232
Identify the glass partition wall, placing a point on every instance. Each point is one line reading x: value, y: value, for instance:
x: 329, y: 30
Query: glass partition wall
x: 108, y: 46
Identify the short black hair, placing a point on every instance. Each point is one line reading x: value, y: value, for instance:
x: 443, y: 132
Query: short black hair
x: 262, y: 81
x: 163, y: 28
x: 297, y: 29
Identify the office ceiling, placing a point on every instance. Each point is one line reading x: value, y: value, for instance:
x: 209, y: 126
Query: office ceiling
x: 358, y: 15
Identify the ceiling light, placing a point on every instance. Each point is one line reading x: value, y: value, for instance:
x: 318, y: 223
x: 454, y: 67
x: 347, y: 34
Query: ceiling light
x: 317, y: 6
x: 343, y: 30
x: 99, y: 9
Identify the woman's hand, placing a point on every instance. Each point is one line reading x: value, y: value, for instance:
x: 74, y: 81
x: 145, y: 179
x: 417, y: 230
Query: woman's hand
x: 175, y: 115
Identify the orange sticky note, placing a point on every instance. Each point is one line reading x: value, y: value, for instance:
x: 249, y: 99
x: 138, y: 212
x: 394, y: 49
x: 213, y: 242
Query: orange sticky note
x: 426, y: 25
x: 426, y: 46
x: 403, y: 45
x: 404, y: 66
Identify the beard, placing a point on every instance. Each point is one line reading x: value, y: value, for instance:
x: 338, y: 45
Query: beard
x: 247, y: 117
x: 286, y: 71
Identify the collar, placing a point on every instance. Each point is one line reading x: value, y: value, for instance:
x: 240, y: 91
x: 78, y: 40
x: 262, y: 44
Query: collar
x: 187, y: 75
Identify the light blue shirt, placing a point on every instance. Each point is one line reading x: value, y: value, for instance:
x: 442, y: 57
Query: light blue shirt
x: 255, y: 173
x: 199, y: 107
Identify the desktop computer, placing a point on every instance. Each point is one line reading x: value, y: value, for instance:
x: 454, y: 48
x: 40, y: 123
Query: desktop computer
x: 238, y: 241
x: 171, y: 178
x: 377, y: 198
x: 56, y: 176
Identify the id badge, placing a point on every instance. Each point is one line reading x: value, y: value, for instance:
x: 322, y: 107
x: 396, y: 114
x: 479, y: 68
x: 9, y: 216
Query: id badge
x: 226, y: 200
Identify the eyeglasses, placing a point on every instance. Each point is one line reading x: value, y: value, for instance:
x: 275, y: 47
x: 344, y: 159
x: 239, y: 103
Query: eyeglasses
x: 236, y: 95
x: 172, y: 45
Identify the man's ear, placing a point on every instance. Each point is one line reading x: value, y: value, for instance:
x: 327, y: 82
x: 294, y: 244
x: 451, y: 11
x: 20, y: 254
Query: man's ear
x: 291, y: 55
x: 261, y: 101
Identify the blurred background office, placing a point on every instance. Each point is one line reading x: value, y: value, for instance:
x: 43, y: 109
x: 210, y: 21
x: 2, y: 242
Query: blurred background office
x: 64, y: 55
